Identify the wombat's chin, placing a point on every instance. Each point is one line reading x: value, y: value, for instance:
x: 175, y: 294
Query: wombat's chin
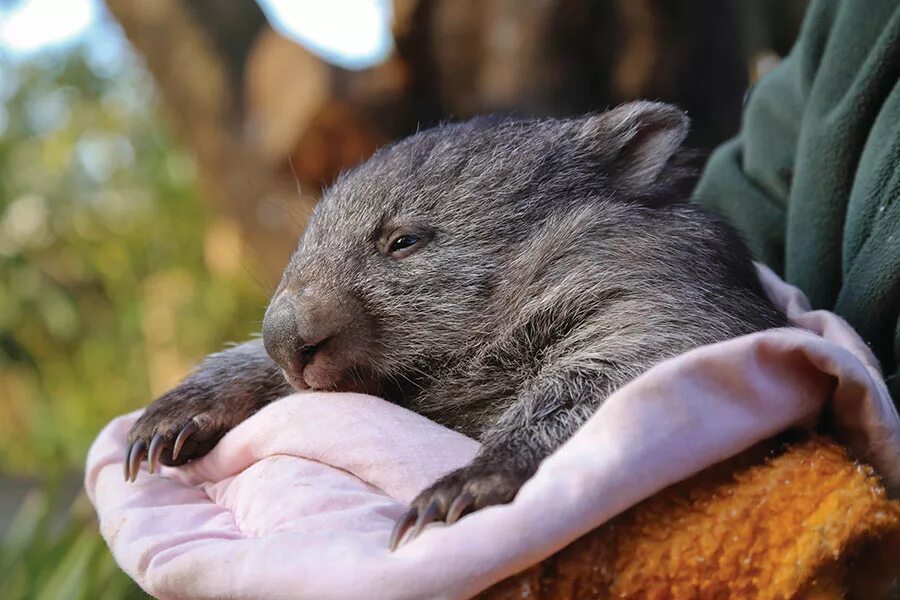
x: 295, y: 381
x: 326, y: 377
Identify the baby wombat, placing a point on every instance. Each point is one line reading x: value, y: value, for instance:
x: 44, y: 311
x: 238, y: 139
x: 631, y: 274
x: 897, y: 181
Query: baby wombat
x: 501, y: 277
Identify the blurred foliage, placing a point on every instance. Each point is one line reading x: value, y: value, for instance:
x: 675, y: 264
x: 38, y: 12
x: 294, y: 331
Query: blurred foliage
x: 41, y: 559
x: 114, y: 277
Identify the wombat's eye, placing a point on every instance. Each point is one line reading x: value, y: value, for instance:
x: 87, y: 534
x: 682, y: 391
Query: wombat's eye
x: 403, y: 242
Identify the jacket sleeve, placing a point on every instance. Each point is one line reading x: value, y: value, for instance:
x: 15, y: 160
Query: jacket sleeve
x: 748, y: 179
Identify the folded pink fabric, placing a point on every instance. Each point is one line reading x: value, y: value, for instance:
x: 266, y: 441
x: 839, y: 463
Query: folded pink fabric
x: 299, y: 500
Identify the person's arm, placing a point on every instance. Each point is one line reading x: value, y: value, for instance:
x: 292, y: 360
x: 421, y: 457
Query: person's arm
x: 812, y: 179
x: 748, y: 179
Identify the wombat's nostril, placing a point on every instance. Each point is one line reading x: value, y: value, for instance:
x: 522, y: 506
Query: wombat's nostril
x: 300, y: 357
x: 307, y: 351
x: 295, y: 330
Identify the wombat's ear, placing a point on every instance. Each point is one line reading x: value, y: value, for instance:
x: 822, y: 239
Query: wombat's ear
x: 637, y: 139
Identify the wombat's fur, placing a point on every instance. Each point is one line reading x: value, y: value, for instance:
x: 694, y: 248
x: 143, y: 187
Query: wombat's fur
x: 541, y: 264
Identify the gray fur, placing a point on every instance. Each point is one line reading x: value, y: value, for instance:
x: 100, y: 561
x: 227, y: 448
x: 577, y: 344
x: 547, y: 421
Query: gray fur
x: 558, y: 262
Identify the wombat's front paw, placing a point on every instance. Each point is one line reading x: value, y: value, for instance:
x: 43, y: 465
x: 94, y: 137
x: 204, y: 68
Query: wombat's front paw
x: 183, y: 424
x: 462, y: 491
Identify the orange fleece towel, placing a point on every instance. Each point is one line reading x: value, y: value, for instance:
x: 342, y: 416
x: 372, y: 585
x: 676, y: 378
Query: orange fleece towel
x: 807, y: 523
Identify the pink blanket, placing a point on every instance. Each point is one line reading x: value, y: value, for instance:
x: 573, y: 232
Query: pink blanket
x: 299, y: 500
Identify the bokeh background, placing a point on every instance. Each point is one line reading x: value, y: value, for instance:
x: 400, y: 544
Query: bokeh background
x: 158, y: 159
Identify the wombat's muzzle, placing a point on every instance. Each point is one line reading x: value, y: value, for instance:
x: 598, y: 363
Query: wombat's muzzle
x: 291, y: 334
x: 280, y: 336
x: 298, y: 325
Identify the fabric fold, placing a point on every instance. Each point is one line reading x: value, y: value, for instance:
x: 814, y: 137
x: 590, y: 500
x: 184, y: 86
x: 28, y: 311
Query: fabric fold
x: 299, y: 500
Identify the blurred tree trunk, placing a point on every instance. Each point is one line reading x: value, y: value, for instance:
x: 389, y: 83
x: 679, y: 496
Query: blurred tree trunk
x: 200, y: 74
x: 263, y: 115
x: 574, y: 56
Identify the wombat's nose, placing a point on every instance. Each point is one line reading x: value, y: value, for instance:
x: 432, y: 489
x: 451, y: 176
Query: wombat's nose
x: 290, y: 336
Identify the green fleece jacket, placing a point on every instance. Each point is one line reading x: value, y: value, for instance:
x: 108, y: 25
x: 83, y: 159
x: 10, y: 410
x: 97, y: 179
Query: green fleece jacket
x: 813, y: 179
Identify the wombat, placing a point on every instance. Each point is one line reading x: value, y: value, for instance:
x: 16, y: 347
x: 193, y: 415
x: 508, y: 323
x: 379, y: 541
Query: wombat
x: 499, y: 276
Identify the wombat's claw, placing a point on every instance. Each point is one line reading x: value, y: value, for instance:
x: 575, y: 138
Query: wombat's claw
x: 414, y: 521
x: 460, y: 505
x: 138, y: 450
x: 431, y: 514
x: 157, y: 444
x: 402, y: 526
x: 187, y: 431
x: 133, y: 457
x: 461, y: 492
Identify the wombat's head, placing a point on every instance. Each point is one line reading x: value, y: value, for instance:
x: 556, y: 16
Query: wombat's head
x: 396, y: 269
